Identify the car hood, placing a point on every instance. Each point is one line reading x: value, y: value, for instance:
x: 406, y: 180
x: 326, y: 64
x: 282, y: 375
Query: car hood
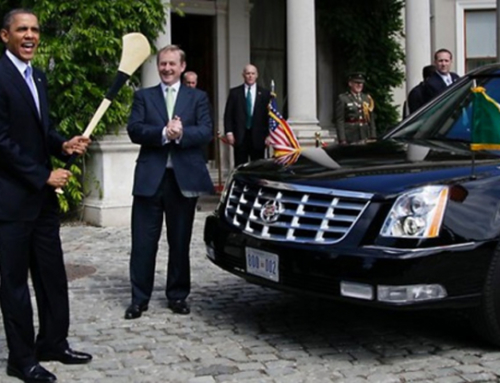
x: 384, y: 167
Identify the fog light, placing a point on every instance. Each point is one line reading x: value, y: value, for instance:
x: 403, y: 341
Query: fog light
x: 356, y: 290
x: 211, y: 253
x: 410, y: 293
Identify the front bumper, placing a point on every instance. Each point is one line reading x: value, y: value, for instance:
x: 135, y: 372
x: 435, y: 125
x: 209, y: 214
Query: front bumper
x: 320, y: 270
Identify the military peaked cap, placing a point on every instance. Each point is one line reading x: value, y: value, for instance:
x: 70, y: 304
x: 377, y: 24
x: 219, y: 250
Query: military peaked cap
x: 357, y: 77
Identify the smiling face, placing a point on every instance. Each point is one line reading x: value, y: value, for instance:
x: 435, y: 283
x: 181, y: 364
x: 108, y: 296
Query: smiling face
x: 170, y: 66
x: 22, y: 36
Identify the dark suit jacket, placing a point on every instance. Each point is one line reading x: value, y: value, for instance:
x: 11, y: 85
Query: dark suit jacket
x: 145, y: 126
x: 435, y: 85
x: 26, y: 143
x: 235, y: 116
x: 416, y: 97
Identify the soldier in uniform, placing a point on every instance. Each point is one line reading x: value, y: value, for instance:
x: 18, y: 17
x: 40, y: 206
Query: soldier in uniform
x: 354, y: 113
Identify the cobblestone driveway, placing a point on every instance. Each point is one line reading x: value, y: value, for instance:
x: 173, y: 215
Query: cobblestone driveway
x: 238, y: 332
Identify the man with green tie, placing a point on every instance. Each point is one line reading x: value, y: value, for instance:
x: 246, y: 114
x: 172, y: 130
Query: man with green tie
x: 246, y: 118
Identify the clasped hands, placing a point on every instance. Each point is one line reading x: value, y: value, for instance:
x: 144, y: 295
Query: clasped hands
x: 77, y: 145
x: 174, y: 129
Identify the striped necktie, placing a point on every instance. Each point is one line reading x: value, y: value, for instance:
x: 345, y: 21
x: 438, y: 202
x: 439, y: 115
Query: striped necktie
x: 29, y: 81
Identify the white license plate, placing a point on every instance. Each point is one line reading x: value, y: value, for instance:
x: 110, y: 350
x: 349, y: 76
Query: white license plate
x: 262, y: 264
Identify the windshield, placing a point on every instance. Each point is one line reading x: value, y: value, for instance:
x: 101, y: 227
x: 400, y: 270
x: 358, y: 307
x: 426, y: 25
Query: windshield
x: 449, y: 118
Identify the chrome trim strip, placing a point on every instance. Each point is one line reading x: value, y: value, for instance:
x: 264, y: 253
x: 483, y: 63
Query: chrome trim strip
x: 315, y: 189
x: 396, y: 250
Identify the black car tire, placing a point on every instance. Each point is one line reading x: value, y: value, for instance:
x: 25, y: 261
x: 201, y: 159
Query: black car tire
x: 485, y: 319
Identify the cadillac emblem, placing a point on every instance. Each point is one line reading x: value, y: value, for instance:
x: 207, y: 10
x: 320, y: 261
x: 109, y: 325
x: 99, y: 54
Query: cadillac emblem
x: 271, y: 211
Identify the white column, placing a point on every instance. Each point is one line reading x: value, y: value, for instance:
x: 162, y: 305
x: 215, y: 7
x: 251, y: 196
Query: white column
x: 238, y: 39
x: 149, y: 74
x: 223, y: 152
x: 301, y: 61
x: 418, y: 40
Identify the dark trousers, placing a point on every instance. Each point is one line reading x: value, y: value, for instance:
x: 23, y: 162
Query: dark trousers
x: 34, y: 246
x: 246, y: 151
x: 147, y: 222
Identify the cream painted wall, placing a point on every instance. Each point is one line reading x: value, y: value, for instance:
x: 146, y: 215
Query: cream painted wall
x: 444, y: 27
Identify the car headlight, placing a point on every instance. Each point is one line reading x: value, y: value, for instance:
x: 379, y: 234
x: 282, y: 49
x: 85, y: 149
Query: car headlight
x: 417, y: 214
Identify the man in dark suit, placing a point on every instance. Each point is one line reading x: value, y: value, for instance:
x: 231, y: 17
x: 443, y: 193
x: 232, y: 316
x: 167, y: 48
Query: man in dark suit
x: 246, y: 119
x: 29, y: 211
x: 172, y: 124
x: 416, y: 96
x: 443, y: 77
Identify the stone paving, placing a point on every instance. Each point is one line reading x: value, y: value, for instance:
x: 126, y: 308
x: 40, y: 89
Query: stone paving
x: 238, y: 332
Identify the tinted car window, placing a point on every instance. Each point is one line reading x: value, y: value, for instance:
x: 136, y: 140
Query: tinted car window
x: 450, y: 117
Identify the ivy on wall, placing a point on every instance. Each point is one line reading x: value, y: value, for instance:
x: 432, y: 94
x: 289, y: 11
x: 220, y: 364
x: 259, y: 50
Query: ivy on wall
x: 80, y: 50
x: 368, y: 35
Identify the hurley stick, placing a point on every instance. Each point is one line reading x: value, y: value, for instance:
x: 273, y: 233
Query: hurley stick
x: 135, y: 51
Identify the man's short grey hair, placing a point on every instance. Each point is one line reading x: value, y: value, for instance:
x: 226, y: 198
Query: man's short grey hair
x: 171, y: 48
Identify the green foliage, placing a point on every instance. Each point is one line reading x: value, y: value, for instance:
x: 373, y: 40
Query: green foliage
x: 367, y: 34
x: 80, y: 51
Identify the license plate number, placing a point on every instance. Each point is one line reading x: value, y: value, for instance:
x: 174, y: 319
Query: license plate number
x: 262, y: 264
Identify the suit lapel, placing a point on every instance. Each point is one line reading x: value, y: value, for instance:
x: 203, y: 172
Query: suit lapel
x: 182, y: 100
x: 242, y: 97
x: 19, y: 83
x: 42, y: 98
x: 258, y: 100
x: 158, y: 101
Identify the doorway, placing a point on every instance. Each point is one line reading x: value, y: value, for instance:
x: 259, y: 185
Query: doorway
x: 195, y: 35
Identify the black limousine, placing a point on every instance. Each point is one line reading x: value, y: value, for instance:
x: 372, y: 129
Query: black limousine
x: 411, y: 221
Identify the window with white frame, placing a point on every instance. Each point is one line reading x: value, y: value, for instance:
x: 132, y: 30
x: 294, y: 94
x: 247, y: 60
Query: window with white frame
x: 480, y: 38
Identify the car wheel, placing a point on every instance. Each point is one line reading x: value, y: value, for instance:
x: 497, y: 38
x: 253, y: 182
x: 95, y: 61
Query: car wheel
x: 485, y: 319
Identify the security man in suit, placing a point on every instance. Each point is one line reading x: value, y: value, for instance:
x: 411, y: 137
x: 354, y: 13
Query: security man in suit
x: 246, y: 119
x: 355, y: 120
x: 172, y: 124
x: 443, y: 77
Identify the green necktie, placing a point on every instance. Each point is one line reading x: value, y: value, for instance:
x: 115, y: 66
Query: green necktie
x: 249, y: 109
x: 170, y: 102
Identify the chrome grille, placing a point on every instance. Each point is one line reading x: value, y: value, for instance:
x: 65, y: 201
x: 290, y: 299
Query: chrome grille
x: 295, y: 213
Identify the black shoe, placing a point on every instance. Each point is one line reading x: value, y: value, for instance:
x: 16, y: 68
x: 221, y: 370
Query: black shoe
x: 135, y: 311
x: 32, y: 374
x: 179, y: 307
x: 67, y: 356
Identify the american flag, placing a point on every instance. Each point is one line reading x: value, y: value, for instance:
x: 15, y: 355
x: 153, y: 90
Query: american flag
x: 288, y: 159
x: 281, y: 136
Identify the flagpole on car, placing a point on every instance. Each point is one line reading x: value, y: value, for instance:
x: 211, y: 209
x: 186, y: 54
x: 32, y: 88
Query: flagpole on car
x: 473, y: 163
x: 273, y: 94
